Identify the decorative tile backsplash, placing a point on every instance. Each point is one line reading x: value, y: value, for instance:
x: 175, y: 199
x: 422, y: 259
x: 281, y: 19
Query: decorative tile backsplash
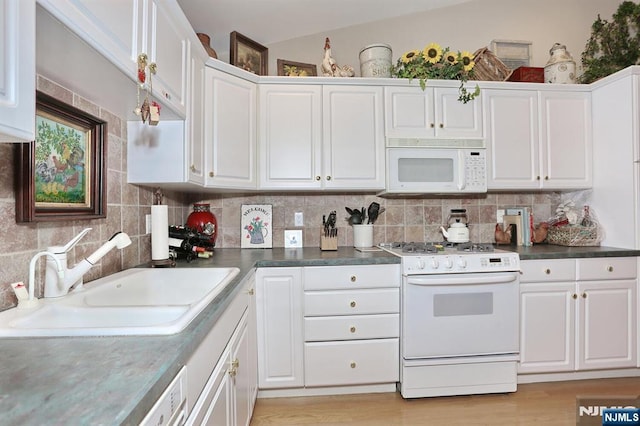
x: 404, y: 219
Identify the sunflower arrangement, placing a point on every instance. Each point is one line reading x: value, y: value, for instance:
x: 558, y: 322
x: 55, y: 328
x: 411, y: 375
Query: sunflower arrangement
x: 434, y: 62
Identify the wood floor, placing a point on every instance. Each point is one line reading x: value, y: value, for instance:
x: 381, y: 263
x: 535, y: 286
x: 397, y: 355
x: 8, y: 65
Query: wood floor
x: 539, y: 404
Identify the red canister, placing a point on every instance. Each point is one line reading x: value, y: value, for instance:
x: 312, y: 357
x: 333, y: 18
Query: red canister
x: 201, y: 220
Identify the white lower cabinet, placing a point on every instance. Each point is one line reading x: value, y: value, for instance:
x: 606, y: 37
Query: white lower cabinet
x: 578, y: 314
x: 328, y: 326
x: 228, y: 396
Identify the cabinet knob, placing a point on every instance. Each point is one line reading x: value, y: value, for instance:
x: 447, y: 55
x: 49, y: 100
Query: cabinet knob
x: 546, y: 178
x: 352, y: 329
x: 193, y: 168
x: 210, y: 174
x: 318, y: 178
x: 537, y: 177
x: 441, y: 126
x: 353, y: 278
x: 352, y: 304
x: 251, y: 292
x: 574, y: 296
x: 547, y: 271
x: 328, y: 177
x: 235, y: 363
x: 353, y: 364
x: 610, y: 268
x: 432, y: 125
x: 584, y: 295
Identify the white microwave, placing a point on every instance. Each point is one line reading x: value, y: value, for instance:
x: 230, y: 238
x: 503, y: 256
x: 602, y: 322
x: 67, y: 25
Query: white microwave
x: 428, y: 170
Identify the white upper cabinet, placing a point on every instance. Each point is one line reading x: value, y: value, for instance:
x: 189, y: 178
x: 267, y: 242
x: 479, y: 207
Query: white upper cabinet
x: 321, y: 137
x: 538, y: 139
x: 353, y: 137
x: 17, y: 70
x: 230, y: 131
x: 411, y: 113
x: 194, y: 123
x: 122, y: 30
x: 290, y: 136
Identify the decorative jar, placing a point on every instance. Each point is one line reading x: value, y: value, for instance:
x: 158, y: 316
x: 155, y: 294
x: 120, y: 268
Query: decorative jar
x: 206, y: 43
x: 561, y: 68
x: 375, y: 61
x: 201, y: 220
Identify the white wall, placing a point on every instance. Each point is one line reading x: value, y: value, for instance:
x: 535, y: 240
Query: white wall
x: 468, y: 26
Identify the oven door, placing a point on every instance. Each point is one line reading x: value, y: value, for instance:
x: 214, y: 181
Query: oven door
x: 453, y: 315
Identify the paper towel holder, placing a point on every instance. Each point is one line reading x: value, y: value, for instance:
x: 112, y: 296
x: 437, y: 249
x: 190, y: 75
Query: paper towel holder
x: 170, y: 262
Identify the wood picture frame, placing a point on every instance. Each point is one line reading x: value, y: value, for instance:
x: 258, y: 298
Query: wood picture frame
x: 296, y: 69
x: 62, y: 174
x: 248, y: 55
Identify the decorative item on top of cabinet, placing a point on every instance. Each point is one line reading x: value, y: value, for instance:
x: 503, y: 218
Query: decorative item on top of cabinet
x: 375, y: 60
x: 248, y: 55
x: 329, y: 66
x: 206, y: 43
x: 296, y: 69
x: 489, y: 67
x: 561, y: 68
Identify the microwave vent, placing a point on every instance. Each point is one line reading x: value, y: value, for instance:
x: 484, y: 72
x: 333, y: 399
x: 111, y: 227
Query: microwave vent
x: 435, y: 143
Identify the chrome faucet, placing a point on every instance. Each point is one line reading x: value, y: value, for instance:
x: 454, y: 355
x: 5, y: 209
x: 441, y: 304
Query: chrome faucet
x: 56, y: 286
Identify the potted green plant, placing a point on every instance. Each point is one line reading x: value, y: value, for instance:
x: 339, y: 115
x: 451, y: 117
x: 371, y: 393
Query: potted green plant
x: 434, y: 62
x: 613, y: 45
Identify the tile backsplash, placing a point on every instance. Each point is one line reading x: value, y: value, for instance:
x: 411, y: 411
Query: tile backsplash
x: 404, y: 219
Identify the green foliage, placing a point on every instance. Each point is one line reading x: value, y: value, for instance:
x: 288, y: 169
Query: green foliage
x: 436, y: 63
x: 613, y: 45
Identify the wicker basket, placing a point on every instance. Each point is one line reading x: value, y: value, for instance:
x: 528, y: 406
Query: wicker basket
x: 573, y: 235
x: 489, y: 67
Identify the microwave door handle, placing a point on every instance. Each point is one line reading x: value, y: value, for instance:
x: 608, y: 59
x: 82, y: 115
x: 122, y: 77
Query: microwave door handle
x: 461, y: 174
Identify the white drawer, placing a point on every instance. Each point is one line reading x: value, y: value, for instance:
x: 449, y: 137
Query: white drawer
x: 607, y: 268
x: 351, y: 363
x: 351, y: 277
x: 356, y: 327
x: 548, y: 270
x: 355, y: 302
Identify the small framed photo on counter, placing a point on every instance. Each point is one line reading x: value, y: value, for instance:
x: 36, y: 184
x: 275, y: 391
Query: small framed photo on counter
x: 256, y: 224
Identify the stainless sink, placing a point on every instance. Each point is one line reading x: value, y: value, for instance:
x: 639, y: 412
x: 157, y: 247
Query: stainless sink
x: 131, y: 302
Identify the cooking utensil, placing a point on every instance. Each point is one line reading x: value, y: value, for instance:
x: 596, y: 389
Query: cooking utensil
x: 373, y: 211
x: 355, y: 216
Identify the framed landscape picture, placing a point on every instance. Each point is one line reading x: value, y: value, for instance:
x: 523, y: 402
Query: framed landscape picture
x: 256, y: 226
x: 61, y: 175
x: 248, y: 55
x: 296, y: 69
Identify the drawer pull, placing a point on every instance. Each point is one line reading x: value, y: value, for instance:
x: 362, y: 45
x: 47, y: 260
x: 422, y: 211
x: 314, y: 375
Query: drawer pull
x: 547, y: 271
x: 353, y: 278
x: 352, y: 329
x: 353, y: 364
x: 352, y: 304
x: 610, y: 268
x: 575, y: 296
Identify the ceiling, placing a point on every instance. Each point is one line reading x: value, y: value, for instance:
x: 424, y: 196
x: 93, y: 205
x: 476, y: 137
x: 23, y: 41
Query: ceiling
x: 273, y: 21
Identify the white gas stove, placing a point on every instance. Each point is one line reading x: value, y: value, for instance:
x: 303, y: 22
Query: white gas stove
x: 459, y: 318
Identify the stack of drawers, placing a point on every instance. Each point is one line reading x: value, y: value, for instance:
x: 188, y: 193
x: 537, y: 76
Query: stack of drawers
x: 351, y: 324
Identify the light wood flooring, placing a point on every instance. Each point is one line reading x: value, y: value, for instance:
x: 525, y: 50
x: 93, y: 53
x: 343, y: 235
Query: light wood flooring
x: 539, y: 404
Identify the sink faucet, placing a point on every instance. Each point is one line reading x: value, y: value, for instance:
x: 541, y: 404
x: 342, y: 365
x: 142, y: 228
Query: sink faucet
x: 32, y: 302
x: 56, y: 286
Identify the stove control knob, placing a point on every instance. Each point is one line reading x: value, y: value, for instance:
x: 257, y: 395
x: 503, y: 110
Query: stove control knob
x: 434, y: 263
x: 448, y: 264
x: 421, y: 264
x: 462, y: 263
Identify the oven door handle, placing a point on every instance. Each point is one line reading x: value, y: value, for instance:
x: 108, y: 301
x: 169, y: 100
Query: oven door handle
x: 464, y: 280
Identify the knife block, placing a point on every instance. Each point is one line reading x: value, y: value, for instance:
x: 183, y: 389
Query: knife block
x: 328, y: 243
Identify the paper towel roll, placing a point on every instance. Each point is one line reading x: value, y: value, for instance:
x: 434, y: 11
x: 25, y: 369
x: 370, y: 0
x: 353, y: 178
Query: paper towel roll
x: 159, y: 232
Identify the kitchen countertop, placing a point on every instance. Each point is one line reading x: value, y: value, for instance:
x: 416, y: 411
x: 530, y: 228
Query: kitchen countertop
x: 116, y: 380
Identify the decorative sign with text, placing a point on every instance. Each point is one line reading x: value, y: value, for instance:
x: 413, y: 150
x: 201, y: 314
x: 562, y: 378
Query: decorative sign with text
x: 256, y: 226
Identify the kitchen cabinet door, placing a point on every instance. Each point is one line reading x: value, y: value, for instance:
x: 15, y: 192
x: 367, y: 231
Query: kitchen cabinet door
x: 566, y: 144
x: 290, y: 136
x: 279, y: 296
x: 547, y: 324
x: 511, y: 123
x: 230, y: 131
x: 353, y: 138
x: 435, y: 112
x: 194, y: 123
x: 17, y: 70
x: 607, y: 318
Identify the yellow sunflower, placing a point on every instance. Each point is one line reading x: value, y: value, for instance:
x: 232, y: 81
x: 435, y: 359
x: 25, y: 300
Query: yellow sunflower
x: 432, y: 53
x: 409, y: 56
x: 467, y: 61
x: 451, y: 58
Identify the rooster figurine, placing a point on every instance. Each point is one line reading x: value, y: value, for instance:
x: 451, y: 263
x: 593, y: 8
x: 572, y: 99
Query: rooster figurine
x: 503, y: 237
x: 329, y: 66
x: 540, y: 233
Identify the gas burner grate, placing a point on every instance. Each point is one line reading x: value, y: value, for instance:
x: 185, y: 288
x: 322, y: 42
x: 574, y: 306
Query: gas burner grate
x: 475, y: 248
